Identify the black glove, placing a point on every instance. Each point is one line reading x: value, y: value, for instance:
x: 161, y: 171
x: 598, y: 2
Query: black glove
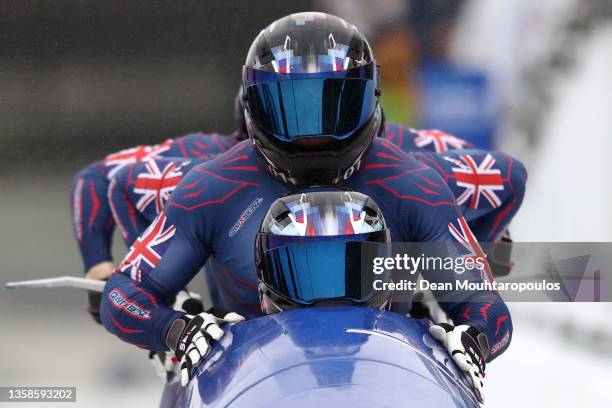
x: 94, y: 299
x: 188, y: 302
x: 191, y: 336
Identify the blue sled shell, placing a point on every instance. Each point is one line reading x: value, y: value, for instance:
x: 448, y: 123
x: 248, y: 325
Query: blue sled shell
x: 327, y: 357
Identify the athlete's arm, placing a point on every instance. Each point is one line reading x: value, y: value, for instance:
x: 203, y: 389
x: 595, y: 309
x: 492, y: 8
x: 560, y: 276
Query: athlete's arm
x: 139, y: 192
x: 92, y: 219
x: 161, y: 262
x: 488, y: 187
x: 429, y: 140
x: 131, y: 222
x: 443, y: 223
x: 91, y: 213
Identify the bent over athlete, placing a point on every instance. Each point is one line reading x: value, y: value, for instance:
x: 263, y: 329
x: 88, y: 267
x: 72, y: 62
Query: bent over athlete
x: 92, y: 218
x: 488, y: 187
x: 295, y: 140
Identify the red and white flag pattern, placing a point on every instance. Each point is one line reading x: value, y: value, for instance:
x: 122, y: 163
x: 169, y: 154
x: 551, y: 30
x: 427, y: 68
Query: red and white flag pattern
x: 464, y: 236
x: 156, y: 185
x: 440, y: 140
x: 478, y: 180
x: 147, y: 250
x: 134, y: 155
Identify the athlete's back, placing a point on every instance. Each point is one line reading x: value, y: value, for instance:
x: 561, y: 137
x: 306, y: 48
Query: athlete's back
x: 216, y: 208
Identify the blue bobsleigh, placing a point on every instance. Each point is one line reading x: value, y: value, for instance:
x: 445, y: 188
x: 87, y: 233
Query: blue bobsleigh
x: 326, y: 357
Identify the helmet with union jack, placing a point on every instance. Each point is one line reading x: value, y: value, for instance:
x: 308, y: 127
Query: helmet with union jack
x: 310, y: 88
x: 316, y: 247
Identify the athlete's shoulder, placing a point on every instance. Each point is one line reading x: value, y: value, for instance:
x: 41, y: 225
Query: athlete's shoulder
x: 386, y: 156
x: 117, y: 161
x: 389, y: 170
x: 218, y: 181
x: 410, y: 139
x: 201, y: 144
x: 240, y: 157
x: 156, y: 167
x: 400, y: 135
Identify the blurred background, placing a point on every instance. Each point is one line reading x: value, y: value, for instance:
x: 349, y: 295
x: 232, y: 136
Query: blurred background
x: 80, y: 79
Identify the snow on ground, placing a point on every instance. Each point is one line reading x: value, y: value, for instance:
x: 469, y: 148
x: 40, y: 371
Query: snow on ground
x: 545, y: 367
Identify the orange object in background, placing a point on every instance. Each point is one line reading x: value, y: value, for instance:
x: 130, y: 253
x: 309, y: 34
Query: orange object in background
x: 395, y: 50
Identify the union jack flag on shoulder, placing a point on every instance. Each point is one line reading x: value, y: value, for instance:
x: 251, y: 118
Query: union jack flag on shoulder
x: 119, y: 160
x: 478, y: 180
x: 144, y: 254
x: 441, y: 141
x: 156, y: 185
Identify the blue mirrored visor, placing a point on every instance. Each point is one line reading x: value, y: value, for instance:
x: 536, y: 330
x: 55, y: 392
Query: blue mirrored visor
x: 272, y: 241
x: 312, y: 105
x: 323, y: 270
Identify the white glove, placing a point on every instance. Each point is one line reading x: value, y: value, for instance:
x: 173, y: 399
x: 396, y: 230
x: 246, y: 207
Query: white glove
x: 190, y: 337
x: 469, y: 349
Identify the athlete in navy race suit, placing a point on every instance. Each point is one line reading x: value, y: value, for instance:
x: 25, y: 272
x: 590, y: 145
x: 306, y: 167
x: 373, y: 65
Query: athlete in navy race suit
x: 214, y: 213
x: 92, y: 219
x: 94, y: 196
x: 199, y: 222
x: 138, y: 192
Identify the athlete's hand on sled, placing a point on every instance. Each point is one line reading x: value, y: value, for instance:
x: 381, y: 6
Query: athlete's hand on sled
x: 165, y: 362
x: 469, y: 349
x: 191, y: 337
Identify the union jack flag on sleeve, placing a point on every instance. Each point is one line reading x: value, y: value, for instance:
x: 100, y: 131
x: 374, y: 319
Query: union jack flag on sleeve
x: 443, y: 231
x: 92, y: 214
x: 479, y: 180
x: 439, y: 140
x: 483, y: 309
x: 139, y: 192
x: 159, y: 263
x: 430, y: 140
x: 461, y: 232
x: 116, y: 161
x: 145, y: 253
x: 156, y: 185
x: 488, y: 187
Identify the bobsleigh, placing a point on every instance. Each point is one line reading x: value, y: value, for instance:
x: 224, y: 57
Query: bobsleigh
x: 326, y: 357
x: 316, y: 357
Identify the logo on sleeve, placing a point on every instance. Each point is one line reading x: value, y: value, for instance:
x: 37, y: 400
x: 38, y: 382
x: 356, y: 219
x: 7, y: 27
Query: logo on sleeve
x: 246, y: 214
x: 123, y: 303
x: 497, y: 347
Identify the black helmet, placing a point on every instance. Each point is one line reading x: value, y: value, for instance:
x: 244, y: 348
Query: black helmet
x: 317, y: 248
x: 310, y: 89
x: 239, y: 122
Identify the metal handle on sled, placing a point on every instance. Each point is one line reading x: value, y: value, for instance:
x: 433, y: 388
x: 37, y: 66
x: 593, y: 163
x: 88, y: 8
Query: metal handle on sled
x: 60, y: 282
